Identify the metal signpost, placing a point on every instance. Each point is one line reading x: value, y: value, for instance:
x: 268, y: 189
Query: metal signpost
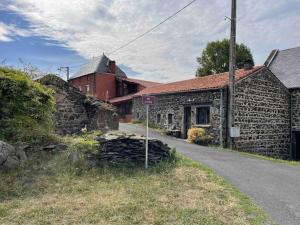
x: 147, y: 100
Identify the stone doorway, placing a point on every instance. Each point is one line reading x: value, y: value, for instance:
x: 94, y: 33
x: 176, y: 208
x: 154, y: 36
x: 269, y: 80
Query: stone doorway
x: 187, y: 120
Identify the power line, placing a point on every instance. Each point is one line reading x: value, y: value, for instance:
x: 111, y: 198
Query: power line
x: 153, y: 28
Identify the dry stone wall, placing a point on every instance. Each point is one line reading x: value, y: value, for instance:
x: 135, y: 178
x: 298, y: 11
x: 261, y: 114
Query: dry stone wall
x: 263, y: 115
x: 119, y: 148
x: 74, y: 110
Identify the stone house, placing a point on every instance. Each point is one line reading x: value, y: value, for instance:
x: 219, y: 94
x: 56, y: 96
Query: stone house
x: 285, y: 64
x: 262, y: 109
x: 103, y: 79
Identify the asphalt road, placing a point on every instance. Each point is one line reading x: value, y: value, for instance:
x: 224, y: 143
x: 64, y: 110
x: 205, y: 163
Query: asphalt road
x: 275, y: 187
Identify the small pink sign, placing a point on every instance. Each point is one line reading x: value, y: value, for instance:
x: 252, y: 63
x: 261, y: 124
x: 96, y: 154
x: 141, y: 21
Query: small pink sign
x: 148, y: 100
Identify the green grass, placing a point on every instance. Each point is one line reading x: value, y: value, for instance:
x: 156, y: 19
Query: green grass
x: 50, y: 190
x: 257, y: 156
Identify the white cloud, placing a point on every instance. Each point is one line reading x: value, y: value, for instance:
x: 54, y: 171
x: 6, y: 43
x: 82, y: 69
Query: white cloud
x: 8, y: 31
x: 91, y: 27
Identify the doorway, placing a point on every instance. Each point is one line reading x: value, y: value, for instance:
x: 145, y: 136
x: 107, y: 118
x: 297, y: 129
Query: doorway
x: 296, y: 145
x: 187, y: 120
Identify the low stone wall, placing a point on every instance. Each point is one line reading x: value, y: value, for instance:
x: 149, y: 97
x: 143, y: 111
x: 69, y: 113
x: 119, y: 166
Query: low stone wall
x: 119, y: 148
x: 74, y: 110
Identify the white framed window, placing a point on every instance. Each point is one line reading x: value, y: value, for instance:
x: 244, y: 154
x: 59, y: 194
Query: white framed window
x: 79, y: 87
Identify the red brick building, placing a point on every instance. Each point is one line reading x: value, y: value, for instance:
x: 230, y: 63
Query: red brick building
x: 103, y: 79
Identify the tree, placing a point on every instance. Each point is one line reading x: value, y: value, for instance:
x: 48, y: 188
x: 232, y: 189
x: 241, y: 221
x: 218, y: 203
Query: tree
x: 215, y: 57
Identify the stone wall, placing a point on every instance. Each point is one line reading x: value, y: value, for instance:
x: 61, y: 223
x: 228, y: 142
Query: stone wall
x: 263, y: 115
x: 174, y: 104
x: 74, y: 110
x: 296, y: 109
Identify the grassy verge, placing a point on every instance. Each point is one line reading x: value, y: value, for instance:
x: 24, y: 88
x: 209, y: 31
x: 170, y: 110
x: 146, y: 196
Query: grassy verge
x: 50, y: 190
x: 257, y: 156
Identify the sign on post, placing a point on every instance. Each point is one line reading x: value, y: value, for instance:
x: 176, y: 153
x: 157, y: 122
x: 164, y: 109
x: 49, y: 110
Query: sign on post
x: 147, y: 100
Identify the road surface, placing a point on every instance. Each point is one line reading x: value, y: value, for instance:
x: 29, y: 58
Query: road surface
x: 275, y: 187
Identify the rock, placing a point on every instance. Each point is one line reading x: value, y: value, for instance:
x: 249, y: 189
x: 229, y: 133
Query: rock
x: 11, y: 157
x: 4, y: 149
x: 120, y: 148
x: 49, y: 148
x: 58, y: 147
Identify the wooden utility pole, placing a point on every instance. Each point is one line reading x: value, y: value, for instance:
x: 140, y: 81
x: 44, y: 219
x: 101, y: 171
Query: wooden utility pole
x: 232, y: 66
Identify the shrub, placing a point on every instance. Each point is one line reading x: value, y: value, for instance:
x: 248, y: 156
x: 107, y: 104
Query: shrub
x: 26, y: 107
x: 198, y: 136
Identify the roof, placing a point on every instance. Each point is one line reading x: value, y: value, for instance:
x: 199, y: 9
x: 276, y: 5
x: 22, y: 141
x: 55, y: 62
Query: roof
x: 141, y: 82
x: 97, y: 65
x: 285, y: 65
x: 215, y: 81
x: 122, y: 99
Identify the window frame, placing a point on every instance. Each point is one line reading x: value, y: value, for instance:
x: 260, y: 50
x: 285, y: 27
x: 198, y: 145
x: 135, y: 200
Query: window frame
x: 168, y: 118
x: 208, y: 119
x: 158, y: 115
x: 87, y: 89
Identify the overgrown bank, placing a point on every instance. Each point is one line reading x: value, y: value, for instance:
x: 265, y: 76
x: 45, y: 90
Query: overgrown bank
x: 26, y: 108
x: 50, y: 189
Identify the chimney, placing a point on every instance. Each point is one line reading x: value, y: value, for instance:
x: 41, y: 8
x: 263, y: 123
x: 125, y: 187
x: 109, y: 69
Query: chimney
x: 112, y: 67
x: 248, y: 65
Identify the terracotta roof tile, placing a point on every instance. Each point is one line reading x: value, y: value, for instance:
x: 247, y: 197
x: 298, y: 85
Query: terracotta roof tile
x: 142, y: 82
x: 199, y: 83
x: 122, y: 99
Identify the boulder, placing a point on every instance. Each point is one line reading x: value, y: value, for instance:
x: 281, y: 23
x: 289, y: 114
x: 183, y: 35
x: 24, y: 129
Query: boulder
x: 11, y: 157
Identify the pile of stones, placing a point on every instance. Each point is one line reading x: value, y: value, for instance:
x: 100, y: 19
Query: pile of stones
x: 120, y: 148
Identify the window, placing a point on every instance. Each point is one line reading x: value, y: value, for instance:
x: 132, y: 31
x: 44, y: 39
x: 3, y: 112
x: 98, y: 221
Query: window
x: 87, y: 89
x: 170, y: 118
x: 138, y: 115
x: 158, y: 118
x: 79, y: 87
x: 203, y: 115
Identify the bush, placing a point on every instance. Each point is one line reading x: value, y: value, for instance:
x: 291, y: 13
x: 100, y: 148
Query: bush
x: 26, y: 108
x: 198, y: 136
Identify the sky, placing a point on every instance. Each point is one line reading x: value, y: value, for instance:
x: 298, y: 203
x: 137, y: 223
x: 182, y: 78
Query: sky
x: 53, y: 33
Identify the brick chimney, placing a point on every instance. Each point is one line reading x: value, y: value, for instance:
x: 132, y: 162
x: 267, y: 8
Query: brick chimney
x: 112, y: 67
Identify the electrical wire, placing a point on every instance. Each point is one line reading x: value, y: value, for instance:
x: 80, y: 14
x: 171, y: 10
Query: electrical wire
x: 153, y: 28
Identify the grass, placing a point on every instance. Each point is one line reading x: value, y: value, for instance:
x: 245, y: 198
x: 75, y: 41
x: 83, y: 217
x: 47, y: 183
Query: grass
x: 257, y: 156
x: 50, y: 190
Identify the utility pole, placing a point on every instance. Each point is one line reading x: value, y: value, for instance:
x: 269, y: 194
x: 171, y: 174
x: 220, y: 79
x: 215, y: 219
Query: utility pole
x: 67, y: 69
x: 232, y: 66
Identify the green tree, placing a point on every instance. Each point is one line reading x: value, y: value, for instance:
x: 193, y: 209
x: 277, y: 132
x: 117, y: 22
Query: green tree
x: 215, y: 57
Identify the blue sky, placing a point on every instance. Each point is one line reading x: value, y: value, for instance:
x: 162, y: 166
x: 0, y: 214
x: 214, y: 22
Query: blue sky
x: 50, y: 34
